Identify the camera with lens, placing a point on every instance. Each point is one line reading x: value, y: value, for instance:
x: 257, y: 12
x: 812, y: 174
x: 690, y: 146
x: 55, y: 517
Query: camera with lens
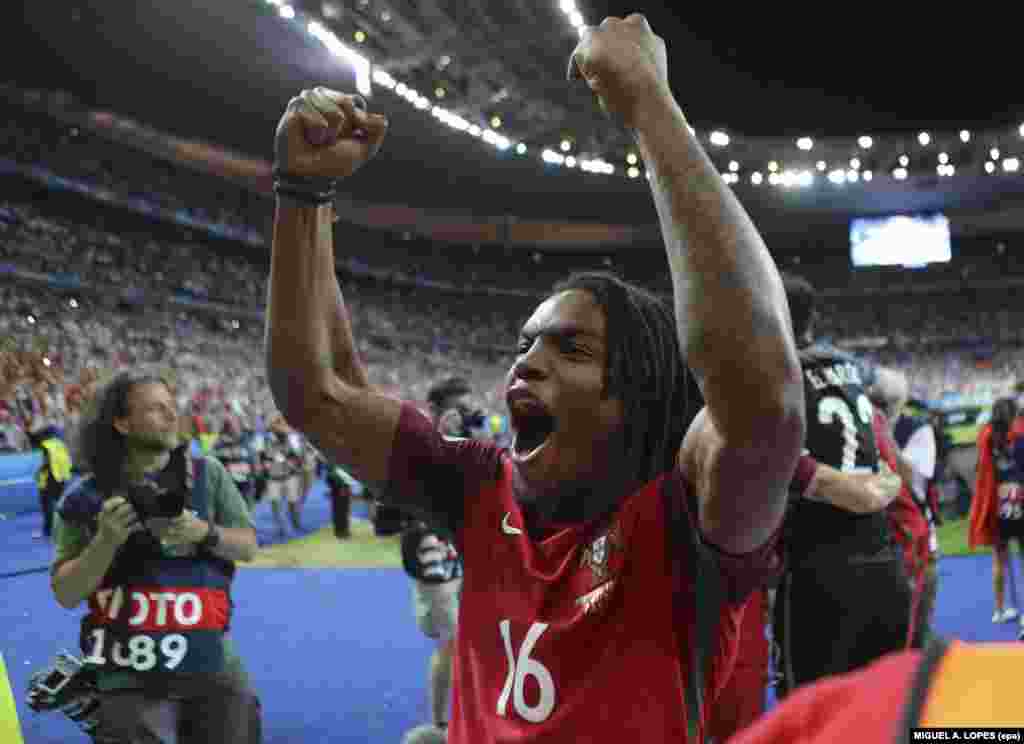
x: 150, y: 501
x: 69, y: 686
x: 473, y: 419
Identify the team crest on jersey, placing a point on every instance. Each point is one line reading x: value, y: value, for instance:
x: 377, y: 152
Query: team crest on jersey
x: 597, y: 556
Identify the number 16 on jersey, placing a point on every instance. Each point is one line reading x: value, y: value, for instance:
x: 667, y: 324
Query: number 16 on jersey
x: 521, y: 666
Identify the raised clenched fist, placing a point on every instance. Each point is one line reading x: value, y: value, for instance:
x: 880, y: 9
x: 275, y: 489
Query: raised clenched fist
x: 327, y: 134
x: 625, y: 64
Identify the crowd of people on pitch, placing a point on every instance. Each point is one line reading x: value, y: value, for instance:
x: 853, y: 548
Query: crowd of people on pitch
x: 677, y: 480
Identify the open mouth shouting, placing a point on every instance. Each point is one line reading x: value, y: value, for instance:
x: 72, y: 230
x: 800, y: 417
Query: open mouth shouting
x: 531, y: 421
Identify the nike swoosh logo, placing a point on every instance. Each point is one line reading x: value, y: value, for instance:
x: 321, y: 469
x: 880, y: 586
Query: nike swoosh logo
x: 507, y: 528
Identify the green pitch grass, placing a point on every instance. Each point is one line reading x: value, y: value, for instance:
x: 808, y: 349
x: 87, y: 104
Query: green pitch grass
x: 365, y: 550
x: 953, y: 538
x: 322, y: 549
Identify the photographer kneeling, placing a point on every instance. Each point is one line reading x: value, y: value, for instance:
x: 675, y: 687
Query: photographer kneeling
x: 150, y: 538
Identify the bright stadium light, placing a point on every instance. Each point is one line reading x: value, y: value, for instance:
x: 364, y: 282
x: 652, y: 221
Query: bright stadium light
x: 286, y: 11
x: 865, y: 142
x: 867, y: 175
x: 965, y: 136
x: 852, y: 176
x: 576, y: 19
x: 633, y: 172
x: 734, y: 166
x: 773, y: 167
x: 1011, y: 165
x: 1020, y: 130
x: 719, y: 139
x: 900, y: 174
x: 568, y: 7
x: 855, y: 163
x: 837, y: 177
x: 924, y: 138
x: 756, y: 178
x: 550, y: 156
x: 904, y: 161
x: 990, y: 167
x: 360, y: 64
x: 570, y: 162
x: 566, y: 145
x: 821, y: 165
x: 631, y: 158
x: 385, y: 80
x: 943, y: 158
x: 994, y: 153
x: 493, y: 138
x: 805, y: 143
x: 521, y: 149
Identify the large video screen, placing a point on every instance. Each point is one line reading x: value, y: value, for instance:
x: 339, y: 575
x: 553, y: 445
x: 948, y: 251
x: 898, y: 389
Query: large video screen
x: 900, y: 240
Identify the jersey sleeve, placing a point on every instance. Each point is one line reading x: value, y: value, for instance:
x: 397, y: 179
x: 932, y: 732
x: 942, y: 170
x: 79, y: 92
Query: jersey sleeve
x: 744, y: 573
x: 69, y: 540
x: 229, y: 508
x: 433, y: 474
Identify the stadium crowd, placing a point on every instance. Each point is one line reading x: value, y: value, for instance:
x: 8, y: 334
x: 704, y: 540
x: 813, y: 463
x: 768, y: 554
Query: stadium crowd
x: 407, y: 335
x: 90, y: 291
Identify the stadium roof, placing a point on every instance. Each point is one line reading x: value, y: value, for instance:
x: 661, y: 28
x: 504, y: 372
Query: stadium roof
x: 223, y: 71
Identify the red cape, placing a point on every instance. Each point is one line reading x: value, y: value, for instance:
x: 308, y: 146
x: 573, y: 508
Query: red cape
x: 984, y: 513
x: 908, y: 524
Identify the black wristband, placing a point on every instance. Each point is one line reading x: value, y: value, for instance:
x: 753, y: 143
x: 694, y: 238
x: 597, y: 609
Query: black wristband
x: 304, y: 195
x: 306, y: 183
x: 212, y: 539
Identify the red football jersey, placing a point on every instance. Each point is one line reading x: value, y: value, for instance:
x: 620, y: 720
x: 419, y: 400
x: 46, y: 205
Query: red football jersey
x: 572, y: 638
x: 577, y: 636
x: 741, y: 701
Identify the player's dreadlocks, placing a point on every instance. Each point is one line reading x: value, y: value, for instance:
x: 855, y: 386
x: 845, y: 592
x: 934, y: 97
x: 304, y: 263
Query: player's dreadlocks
x: 645, y: 369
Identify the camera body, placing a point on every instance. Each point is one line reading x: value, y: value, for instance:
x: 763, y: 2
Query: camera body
x: 67, y: 685
x: 150, y: 501
x: 472, y: 419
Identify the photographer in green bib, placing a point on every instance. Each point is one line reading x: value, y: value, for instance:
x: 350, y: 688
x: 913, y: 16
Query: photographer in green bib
x: 149, y: 539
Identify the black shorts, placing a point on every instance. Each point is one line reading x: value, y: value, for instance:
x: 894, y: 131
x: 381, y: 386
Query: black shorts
x: 841, y: 617
x: 1011, y: 529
